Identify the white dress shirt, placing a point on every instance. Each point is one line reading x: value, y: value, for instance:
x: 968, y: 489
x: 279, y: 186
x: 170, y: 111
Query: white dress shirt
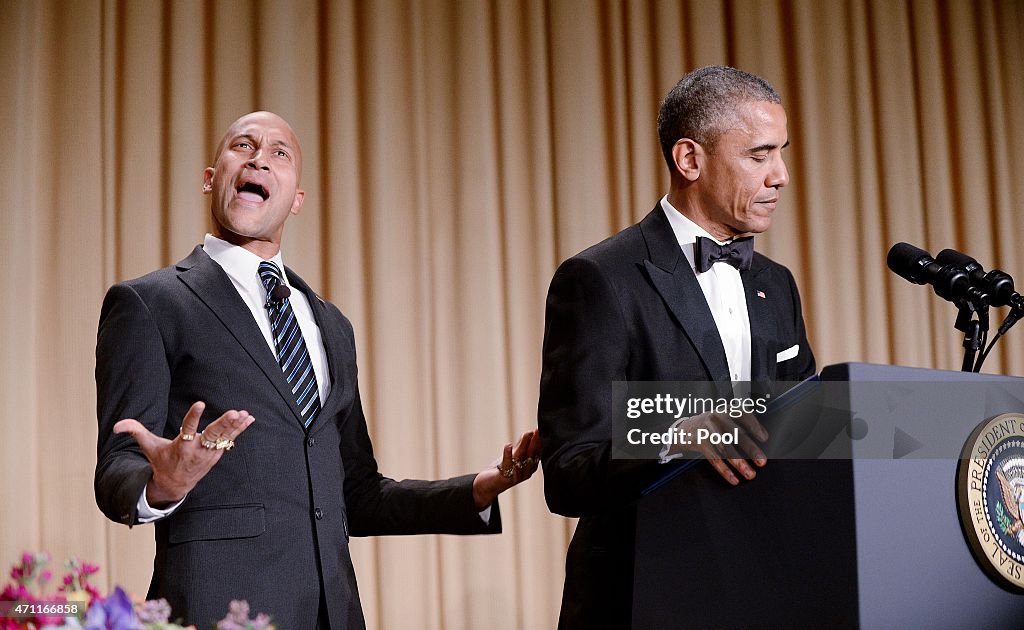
x: 723, y: 290
x: 242, y: 266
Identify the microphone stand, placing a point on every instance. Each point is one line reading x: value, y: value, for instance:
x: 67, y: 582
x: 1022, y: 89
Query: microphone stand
x: 975, y: 330
x: 1016, y: 313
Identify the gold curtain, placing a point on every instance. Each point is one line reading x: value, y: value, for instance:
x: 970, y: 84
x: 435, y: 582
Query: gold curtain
x: 455, y: 152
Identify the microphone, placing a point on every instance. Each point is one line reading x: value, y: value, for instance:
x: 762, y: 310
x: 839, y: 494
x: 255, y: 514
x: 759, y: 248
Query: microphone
x: 997, y: 284
x: 280, y: 292
x: 948, y: 281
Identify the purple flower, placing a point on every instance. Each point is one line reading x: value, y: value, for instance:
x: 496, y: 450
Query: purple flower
x: 113, y: 613
x: 238, y: 618
x: 154, y: 611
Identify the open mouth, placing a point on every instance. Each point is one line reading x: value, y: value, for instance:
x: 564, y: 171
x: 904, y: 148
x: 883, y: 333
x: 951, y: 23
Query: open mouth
x: 251, y: 191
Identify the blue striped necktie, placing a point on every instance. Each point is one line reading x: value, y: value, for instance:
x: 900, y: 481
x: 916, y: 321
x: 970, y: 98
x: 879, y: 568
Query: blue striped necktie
x: 291, y: 347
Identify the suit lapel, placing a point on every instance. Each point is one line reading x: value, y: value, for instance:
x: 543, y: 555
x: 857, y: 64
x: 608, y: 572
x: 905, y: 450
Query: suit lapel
x: 674, y: 280
x: 762, y: 320
x: 333, y: 345
x: 211, y: 285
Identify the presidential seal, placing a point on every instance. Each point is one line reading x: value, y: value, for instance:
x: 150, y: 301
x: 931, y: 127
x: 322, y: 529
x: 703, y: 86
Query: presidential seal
x: 990, y: 498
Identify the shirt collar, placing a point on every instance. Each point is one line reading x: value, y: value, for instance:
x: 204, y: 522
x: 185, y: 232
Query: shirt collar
x: 238, y: 262
x: 686, y: 231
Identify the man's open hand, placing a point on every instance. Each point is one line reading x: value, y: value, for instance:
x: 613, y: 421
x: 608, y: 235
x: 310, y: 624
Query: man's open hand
x: 179, y: 464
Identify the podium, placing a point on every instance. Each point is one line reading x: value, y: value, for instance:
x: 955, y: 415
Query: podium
x: 860, y: 528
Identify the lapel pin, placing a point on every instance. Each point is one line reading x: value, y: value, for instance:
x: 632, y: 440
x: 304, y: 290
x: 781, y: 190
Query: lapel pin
x: 760, y: 294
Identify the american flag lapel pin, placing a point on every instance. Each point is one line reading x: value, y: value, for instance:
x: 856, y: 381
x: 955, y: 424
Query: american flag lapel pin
x: 760, y: 294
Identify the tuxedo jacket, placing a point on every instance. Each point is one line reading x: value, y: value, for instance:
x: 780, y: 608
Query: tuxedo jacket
x: 630, y: 309
x: 271, y: 521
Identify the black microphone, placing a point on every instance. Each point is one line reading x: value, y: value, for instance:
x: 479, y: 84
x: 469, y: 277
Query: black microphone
x: 949, y: 282
x: 280, y: 292
x: 997, y: 284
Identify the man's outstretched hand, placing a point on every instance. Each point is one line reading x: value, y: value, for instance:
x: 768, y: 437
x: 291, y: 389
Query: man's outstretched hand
x: 516, y: 465
x: 179, y: 464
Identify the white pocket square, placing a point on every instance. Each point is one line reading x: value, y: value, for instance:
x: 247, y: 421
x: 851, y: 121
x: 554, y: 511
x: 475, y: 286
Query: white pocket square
x: 787, y: 354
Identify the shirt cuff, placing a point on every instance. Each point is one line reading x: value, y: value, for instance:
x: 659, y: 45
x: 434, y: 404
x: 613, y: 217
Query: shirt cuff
x: 664, y: 456
x: 485, y: 515
x: 148, y: 514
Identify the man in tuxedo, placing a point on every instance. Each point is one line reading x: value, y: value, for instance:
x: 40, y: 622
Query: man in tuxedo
x: 680, y: 296
x: 229, y: 414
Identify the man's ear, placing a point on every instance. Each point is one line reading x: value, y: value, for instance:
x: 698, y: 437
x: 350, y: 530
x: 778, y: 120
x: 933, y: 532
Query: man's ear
x: 300, y: 195
x: 207, y: 180
x: 688, y: 156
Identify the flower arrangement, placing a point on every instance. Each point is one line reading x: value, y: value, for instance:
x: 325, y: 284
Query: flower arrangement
x: 25, y: 606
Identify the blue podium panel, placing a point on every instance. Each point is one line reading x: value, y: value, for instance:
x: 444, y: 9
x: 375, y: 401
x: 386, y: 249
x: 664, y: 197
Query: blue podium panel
x: 854, y: 523
x: 915, y: 567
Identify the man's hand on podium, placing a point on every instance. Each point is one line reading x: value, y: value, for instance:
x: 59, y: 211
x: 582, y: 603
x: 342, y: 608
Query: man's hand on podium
x: 712, y: 435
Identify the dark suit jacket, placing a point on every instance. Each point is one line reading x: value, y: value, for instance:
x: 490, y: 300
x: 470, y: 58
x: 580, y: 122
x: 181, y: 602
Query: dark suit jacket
x: 271, y: 522
x: 630, y: 309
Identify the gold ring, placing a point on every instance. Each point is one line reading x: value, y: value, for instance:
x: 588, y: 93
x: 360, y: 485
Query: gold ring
x: 187, y: 437
x: 225, y: 444
x: 520, y: 464
x: 506, y: 472
x: 207, y: 444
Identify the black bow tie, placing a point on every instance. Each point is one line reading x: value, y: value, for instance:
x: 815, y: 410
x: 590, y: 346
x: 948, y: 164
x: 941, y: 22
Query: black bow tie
x: 737, y: 253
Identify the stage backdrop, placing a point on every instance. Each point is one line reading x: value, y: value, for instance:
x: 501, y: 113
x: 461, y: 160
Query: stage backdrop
x: 455, y: 152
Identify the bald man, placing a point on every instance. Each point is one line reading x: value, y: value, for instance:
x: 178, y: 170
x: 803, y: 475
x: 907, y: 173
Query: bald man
x: 229, y: 415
